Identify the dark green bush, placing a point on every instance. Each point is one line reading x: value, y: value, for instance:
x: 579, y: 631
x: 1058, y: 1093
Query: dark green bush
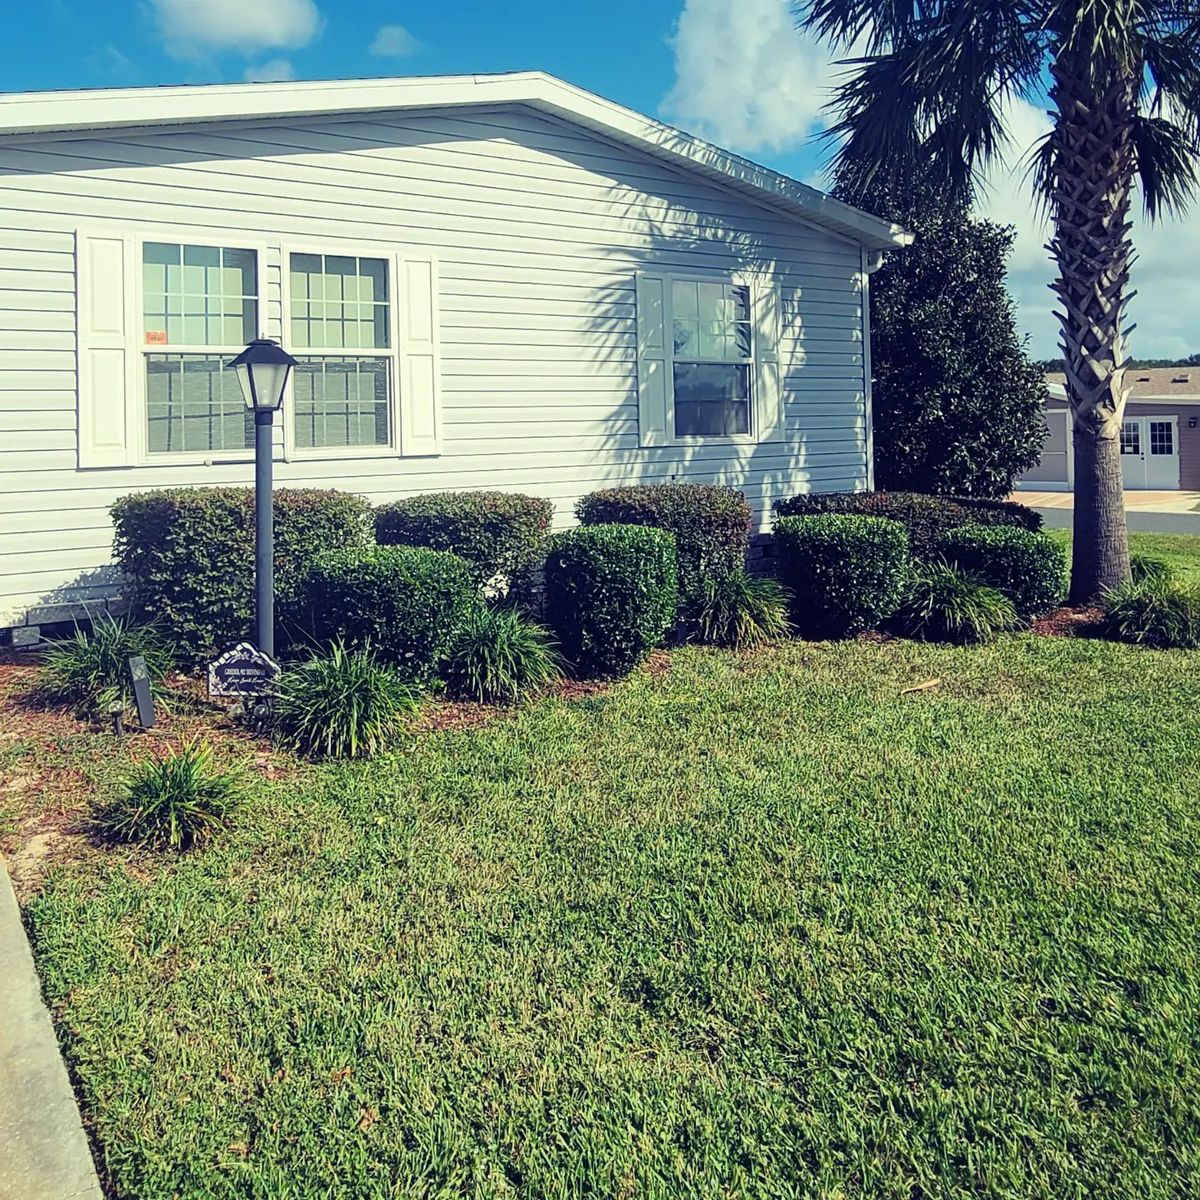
x: 90, y: 669
x: 742, y: 610
x: 845, y: 573
x: 187, y: 555
x: 710, y: 524
x: 498, y: 533
x: 343, y: 704
x: 171, y: 803
x: 1154, y: 612
x: 406, y: 602
x: 1029, y: 568
x: 611, y: 595
x: 498, y: 656
x: 925, y: 517
x: 944, y: 605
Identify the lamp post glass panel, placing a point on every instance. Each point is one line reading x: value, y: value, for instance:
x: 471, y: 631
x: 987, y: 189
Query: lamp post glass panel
x: 263, y: 369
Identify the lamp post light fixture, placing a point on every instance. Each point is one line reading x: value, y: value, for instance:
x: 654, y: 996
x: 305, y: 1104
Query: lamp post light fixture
x: 263, y: 369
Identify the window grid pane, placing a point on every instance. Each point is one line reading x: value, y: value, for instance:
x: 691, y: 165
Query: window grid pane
x: 194, y: 405
x: 713, y: 348
x: 339, y: 302
x: 199, y: 295
x: 342, y: 401
x: 1131, y: 437
x: 1162, y: 437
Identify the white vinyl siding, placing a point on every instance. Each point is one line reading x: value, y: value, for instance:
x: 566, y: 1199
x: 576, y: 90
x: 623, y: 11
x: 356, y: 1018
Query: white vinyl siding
x: 527, y: 238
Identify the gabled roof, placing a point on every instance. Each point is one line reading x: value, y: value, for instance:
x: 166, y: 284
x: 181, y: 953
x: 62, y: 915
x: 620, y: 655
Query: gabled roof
x: 114, y: 108
x: 1145, y: 383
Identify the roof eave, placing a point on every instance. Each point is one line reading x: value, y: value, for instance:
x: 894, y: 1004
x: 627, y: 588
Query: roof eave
x: 82, y: 111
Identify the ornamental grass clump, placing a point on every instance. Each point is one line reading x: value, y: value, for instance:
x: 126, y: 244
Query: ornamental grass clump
x: 172, y: 803
x: 498, y: 656
x: 945, y: 605
x: 1154, y: 612
x: 343, y: 704
x: 90, y: 669
x: 741, y: 610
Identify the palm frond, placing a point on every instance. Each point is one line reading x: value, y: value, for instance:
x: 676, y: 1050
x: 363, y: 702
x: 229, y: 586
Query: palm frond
x: 1167, y: 163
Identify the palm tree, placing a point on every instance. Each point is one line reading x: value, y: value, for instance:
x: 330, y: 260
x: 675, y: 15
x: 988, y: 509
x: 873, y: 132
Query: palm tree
x: 925, y: 96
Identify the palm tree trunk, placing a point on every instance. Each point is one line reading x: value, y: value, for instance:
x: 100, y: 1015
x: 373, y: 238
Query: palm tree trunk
x: 1092, y: 169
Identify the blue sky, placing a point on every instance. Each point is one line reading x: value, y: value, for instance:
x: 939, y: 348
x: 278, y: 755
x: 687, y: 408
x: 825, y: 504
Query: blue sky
x: 735, y: 71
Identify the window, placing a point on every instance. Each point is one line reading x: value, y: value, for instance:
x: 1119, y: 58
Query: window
x: 713, y: 358
x: 1131, y: 437
x: 199, y: 309
x: 1162, y: 437
x: 341, y: 313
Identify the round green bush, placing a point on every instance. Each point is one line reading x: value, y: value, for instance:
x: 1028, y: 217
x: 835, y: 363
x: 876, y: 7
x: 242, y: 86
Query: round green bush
x: 405, y: 602
x: 846, y: 574
x: 611, y: 595
x: 710, y: 525
x: 498, y: 533
x: 1029, y: 568
x: 187, y: 555
x: 925, y: 517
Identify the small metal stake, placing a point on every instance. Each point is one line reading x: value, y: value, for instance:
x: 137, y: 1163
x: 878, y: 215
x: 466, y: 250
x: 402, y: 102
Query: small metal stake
x: 116, y: 712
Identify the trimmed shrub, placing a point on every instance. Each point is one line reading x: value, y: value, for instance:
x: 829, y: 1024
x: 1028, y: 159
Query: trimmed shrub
x: 404, y: 601
x: 710, y: 524
x: 742, y: 610
x: 498, y: 533
x: 90, y: 669
x: 1149, y: 566
x: 1154, y: 612
x: 1029, y: 568
x: 611, y: 595
x: 945, y: 605
x: 343, y: 704
x: 498, y: 656
x: 171, y: 803
x: 188, y: 555
x: 845, y: 573
x: 925, y: 517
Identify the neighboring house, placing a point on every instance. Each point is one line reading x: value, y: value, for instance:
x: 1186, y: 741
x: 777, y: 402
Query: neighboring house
x: 489, y: 281
x: 1160, y: 436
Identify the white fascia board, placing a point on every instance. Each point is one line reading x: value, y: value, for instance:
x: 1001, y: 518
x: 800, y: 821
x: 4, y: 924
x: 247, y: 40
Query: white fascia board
x: 116, y: 108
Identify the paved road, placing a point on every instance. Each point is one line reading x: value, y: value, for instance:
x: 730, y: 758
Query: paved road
x: 1140, y: 521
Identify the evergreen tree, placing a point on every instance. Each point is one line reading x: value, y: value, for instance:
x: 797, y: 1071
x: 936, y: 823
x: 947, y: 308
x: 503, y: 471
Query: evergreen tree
x: 957, y: 403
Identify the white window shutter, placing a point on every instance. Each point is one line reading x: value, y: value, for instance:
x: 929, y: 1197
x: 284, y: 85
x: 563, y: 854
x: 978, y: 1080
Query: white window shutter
x: 768, y: 389
x: 107, y: 358
x: 420, y: 357
x: 653, y: 361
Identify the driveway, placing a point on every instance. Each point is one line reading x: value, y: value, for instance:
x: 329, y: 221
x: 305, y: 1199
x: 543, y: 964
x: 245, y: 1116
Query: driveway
x: 1146, y: 512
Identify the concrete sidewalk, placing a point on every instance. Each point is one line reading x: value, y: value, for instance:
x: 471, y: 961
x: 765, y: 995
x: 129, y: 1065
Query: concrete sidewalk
x: 44, y: 1152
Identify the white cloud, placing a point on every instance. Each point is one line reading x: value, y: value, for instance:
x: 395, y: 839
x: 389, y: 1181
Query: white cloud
x: 745, y: 77
x: 194, y: 28
x: 274, y: 70
x: 394, y: 41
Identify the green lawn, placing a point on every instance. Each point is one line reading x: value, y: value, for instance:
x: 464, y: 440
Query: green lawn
x: 1178, y: 549
x: 759, y: 926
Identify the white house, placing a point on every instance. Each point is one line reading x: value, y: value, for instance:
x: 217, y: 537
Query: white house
x: 490, y: 282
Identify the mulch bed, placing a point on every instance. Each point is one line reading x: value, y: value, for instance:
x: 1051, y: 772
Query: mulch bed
x: 1070, y: 622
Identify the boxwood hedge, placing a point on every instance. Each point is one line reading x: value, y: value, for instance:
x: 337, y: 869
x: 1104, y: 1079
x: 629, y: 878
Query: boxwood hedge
x: 1029, y: 568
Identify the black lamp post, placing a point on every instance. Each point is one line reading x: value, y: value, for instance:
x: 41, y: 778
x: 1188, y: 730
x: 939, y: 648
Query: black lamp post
x: 263, y: 369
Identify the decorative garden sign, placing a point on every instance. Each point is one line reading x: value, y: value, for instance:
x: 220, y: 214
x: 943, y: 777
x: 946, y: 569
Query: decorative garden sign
x: 243, y: 671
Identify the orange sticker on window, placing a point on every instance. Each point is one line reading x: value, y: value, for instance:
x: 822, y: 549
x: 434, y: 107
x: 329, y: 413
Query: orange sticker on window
x: 156, y: 337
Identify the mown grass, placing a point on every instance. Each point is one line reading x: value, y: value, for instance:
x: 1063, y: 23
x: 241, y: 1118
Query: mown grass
x: 1177, y: 549
x: 762, y: 926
